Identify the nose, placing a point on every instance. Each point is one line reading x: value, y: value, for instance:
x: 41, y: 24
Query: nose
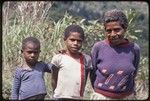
x: 75, y: 42
x: 113, y: 33
x: 33, y: 54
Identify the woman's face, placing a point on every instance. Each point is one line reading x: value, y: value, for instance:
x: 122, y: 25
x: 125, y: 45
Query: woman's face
x: 114, y: 32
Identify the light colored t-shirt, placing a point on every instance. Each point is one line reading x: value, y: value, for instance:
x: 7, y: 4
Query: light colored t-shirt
x: 72, y: 75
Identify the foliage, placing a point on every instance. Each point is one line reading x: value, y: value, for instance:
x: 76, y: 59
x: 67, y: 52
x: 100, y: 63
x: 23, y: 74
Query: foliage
x: 142, y: 79
x: 132, y: 17
x: 23, y: 19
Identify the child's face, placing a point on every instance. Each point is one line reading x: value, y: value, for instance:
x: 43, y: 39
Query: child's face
x: 114, y: 32
x: 31, y: 53
x: 74, y: 42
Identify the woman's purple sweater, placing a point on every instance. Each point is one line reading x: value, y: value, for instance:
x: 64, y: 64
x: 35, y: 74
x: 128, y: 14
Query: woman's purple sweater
x: 114, y: 68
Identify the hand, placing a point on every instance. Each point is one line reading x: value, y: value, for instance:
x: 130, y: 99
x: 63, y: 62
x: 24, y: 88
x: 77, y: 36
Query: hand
x: 62, y: 51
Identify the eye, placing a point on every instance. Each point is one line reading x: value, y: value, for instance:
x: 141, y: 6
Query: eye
x: 117, y: 29
x: 35, y: 52
x: 29, y: 52
x: 72, y: 39
x: 79, y: 41
x: 108, y: 30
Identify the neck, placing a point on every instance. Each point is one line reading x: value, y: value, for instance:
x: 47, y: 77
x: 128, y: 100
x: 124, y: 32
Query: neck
x: 28, y: 65
x: 119, y: 43
x: 74, y: 55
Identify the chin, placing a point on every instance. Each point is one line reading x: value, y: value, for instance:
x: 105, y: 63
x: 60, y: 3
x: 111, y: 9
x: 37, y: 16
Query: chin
x: 32, y: 62
x: 114, y: 42
x: 75, y: 51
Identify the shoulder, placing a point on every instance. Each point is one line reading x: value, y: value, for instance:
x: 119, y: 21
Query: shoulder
x: 45, y: 64
x: 18, y: 68
x: 87, y: 57
x: 88, y: 62
x: 18, y: 71
x: 56, y: 59
x: 99, y: 44
x: 136, y: 46
x: 57, y: 56
x: 136, y: 49
x: 42, y: 63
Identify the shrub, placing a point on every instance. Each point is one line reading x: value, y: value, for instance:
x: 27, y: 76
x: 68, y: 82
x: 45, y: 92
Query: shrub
x: 28, y: 19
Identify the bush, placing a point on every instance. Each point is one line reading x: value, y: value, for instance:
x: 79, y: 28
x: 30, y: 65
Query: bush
x: 24, y: 22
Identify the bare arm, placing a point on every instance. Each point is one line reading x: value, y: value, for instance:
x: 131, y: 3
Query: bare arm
x: 54, y: 77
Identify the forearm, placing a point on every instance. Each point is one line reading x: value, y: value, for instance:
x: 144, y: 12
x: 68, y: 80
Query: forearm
x: 15, y: 90
x: 16, y: 85
x: 54, y: 77
x: 54, y: 84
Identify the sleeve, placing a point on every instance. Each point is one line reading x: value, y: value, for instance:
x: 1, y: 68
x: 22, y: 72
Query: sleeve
x: 16, y: 85
x: 136, y: 57
x: 56, y: 60
x: 94, y: 54
x: 88, y: 62
x: 48, y: 67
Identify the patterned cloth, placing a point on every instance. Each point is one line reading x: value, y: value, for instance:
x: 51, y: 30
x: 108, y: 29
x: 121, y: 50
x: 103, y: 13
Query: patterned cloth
x: 115, y: 68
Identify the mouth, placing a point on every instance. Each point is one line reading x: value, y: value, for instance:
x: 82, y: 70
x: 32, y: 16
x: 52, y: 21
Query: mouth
x: 32, y: 60
x: 114, y: 38
x: 75, y: 48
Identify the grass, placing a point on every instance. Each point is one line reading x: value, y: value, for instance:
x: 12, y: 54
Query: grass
x: 20, y: 22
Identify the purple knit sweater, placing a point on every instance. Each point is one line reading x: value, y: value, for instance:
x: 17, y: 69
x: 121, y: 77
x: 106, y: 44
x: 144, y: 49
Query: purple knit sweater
x: 114, y: 68
x: 28, y: 83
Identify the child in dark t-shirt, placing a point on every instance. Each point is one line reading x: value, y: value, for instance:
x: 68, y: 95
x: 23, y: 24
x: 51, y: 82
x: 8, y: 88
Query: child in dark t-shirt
x: 28, y: 83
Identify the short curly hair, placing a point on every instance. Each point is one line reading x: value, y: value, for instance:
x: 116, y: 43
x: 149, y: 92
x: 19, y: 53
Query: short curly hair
x: 116, y: 15
x: 30, y: 39
x: 73, y: 28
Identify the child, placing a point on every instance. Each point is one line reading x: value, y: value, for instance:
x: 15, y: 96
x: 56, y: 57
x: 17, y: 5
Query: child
x: 29, y: 77
x: 115, y: 60
x: 69, y: 78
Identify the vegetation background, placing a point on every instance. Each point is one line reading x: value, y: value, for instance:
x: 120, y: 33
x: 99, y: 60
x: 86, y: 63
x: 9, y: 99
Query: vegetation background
x: 47, y: 20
